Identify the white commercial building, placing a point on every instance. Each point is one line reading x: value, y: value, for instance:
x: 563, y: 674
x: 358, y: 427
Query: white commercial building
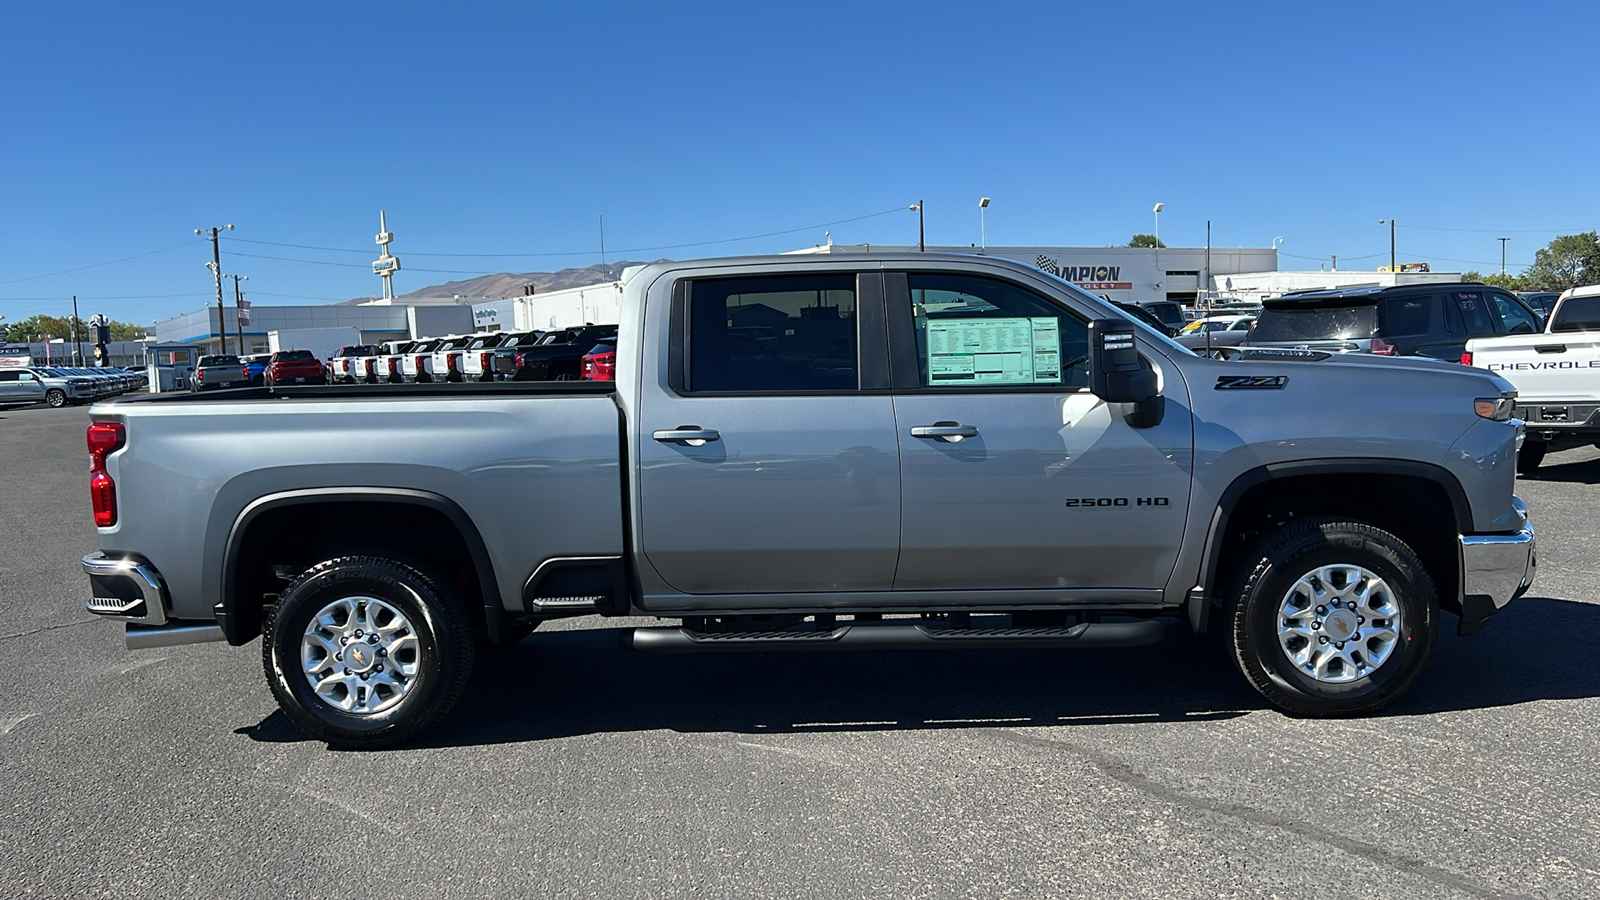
x: 1258, y: 286
x: 1128, y: 274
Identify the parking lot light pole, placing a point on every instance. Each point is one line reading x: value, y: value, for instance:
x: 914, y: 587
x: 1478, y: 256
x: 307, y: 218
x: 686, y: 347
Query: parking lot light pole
x: 1503, y: 256
x: 983, y: 231
x: 1390, y: 223
x: 921, y: 243
x: 216, y: 273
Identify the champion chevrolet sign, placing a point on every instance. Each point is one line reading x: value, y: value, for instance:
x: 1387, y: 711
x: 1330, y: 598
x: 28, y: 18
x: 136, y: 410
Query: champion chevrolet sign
x: 1090, y: 278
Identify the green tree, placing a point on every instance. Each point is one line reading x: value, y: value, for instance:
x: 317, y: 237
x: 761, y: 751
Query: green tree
x: 1509, y: 282
x: 1570, y: 260
x: 39, y: 327
x: 1145, y: 240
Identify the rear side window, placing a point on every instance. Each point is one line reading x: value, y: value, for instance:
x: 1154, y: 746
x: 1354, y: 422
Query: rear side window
x: 1316, y: 323
x: 1474, y: 314
x: 780, y: 333
x: 1404, y: 316
x: 1578, y: 314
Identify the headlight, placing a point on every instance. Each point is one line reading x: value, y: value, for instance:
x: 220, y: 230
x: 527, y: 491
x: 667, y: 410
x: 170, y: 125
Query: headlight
x: 1496, y: 408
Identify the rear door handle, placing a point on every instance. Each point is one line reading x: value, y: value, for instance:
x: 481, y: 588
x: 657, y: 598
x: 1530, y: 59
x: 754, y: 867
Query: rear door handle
x: 687, y: 435
x: 945, y: 431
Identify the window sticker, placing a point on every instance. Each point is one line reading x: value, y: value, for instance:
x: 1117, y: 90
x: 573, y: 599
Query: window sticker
x: 994, y: 351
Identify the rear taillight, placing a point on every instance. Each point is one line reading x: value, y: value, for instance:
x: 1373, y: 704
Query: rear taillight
x: 484, y: 361
x: 1466, y: 357
x: 420, y: 365
x: 519, y: 360
x: 368, y: 365
x: 1382, y: 347
x: 450, y: 361
x: 394, y: 365
x: 104, y: 438
x: 600, y: 367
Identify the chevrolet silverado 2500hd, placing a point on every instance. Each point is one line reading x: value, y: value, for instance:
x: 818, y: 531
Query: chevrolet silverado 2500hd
x: 911, y: 451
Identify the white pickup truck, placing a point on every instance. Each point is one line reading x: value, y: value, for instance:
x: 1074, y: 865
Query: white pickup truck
x: 1557, y: 375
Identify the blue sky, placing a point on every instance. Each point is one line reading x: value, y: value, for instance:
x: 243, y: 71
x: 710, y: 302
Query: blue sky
x: 511, y: 128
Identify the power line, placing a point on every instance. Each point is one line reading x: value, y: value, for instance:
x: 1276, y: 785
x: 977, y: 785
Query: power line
x: 588, y: 252
x: 1497, y: 230
x: 99, y: 264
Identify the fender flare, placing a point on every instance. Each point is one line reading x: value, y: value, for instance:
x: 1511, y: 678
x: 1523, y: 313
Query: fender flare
x: 495, y: 618
x: 1198, y: 604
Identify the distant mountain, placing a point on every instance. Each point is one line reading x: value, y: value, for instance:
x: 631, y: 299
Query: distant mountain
x: 506, y: 284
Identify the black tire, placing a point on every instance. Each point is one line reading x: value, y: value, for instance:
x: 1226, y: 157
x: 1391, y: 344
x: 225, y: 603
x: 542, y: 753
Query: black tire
x: 1530, y: 456
x: 443, y: 656
x: 56, y: 398
x: 1263, y: 581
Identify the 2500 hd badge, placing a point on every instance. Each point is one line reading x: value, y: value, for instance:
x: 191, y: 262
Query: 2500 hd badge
x: 1098, y: 502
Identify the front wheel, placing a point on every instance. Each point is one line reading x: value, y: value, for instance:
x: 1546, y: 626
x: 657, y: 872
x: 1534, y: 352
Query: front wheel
x: 367, y: 652
x: 56, y: 398
x: 1332, y: 617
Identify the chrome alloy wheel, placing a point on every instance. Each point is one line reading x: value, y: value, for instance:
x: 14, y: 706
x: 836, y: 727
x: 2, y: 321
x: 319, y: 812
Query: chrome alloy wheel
x: 360, y: 655
x: 1339, y: 623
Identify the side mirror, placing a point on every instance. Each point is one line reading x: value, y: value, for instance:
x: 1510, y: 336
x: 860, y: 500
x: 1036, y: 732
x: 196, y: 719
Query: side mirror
x: 1115, y: 374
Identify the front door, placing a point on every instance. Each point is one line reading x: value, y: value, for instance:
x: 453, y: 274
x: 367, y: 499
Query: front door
x: 768, y: 462
x: 1014, y: 476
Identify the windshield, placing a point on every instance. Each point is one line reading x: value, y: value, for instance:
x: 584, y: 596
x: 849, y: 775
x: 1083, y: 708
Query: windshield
x: 1315, y: 323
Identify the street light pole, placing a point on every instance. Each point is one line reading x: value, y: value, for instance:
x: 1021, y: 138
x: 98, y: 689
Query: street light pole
x: 983, y: 231
x: 1503, y: 256
x: 77, y: 345
x: 1157, y: 211
x: 1390, y: 222
x: 922, y: 245
x: 216, y: 273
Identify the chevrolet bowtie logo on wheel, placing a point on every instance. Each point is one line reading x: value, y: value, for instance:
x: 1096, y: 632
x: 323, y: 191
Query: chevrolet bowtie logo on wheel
x: 360, y: 660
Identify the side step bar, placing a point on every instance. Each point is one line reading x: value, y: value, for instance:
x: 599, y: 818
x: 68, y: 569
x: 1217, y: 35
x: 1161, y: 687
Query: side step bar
x: 139, y: 637
x: 896, y: 636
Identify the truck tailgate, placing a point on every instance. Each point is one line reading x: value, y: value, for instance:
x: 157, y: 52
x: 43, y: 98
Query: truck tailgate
x: 1543, y: 367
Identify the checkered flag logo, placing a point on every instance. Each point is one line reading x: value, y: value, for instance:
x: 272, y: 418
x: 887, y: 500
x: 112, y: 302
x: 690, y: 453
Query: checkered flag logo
x: 1049, y: 265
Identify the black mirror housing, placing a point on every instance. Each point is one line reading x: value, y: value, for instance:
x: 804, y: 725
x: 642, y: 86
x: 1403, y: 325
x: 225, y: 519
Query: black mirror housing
x: 1115, y: 373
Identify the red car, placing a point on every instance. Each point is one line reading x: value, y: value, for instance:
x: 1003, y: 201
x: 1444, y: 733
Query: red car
x: 600, y: 363
x: 295, y: 367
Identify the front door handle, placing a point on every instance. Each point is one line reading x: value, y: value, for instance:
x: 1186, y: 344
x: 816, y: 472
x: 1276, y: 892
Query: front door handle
x: 687, y: 435
x: 945, y: 431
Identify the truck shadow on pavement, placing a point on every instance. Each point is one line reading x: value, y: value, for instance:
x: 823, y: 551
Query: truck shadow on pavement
x: 1578, y: 471
x: 566, y: 683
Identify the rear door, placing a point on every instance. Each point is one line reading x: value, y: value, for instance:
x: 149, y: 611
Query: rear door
x: 1014, y: 476
x: 768, y: 460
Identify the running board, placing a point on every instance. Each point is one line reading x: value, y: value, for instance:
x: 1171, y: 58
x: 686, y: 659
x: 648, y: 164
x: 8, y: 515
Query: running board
x: 896, y: 636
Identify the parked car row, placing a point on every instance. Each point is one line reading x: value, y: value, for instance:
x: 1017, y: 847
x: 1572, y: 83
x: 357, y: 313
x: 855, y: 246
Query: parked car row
x: 64, y: 385
x: 559, y: 355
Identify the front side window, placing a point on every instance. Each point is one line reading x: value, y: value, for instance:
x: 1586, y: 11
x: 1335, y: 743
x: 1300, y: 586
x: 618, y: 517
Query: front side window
x: 1516, y: 317
x: 973, y: 331
x: 773, y: 334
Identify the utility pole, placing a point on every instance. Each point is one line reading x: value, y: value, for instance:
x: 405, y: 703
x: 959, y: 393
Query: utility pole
x: 77, y: 345
x: 238, y: 304
x: 1503, y: 256
x: 922, y: 244
x: 1390, y: 222
x: 216, y: 273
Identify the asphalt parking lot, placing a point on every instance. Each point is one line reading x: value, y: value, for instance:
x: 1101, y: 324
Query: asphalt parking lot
x: 573, y: 768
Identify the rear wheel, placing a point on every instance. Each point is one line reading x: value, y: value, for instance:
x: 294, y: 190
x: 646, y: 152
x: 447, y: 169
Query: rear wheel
x: 1530, y: 456
x: 1332, y: 617
x: 367, y: 652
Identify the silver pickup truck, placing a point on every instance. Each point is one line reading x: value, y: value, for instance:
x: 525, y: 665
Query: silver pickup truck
x: 875, y: 452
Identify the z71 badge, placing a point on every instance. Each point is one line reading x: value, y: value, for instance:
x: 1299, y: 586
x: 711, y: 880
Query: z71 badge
x: 1251, y: 382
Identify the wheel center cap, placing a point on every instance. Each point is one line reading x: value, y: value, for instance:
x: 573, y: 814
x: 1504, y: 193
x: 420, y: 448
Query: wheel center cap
x: 360, y: 657
x: 1340, y: 625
